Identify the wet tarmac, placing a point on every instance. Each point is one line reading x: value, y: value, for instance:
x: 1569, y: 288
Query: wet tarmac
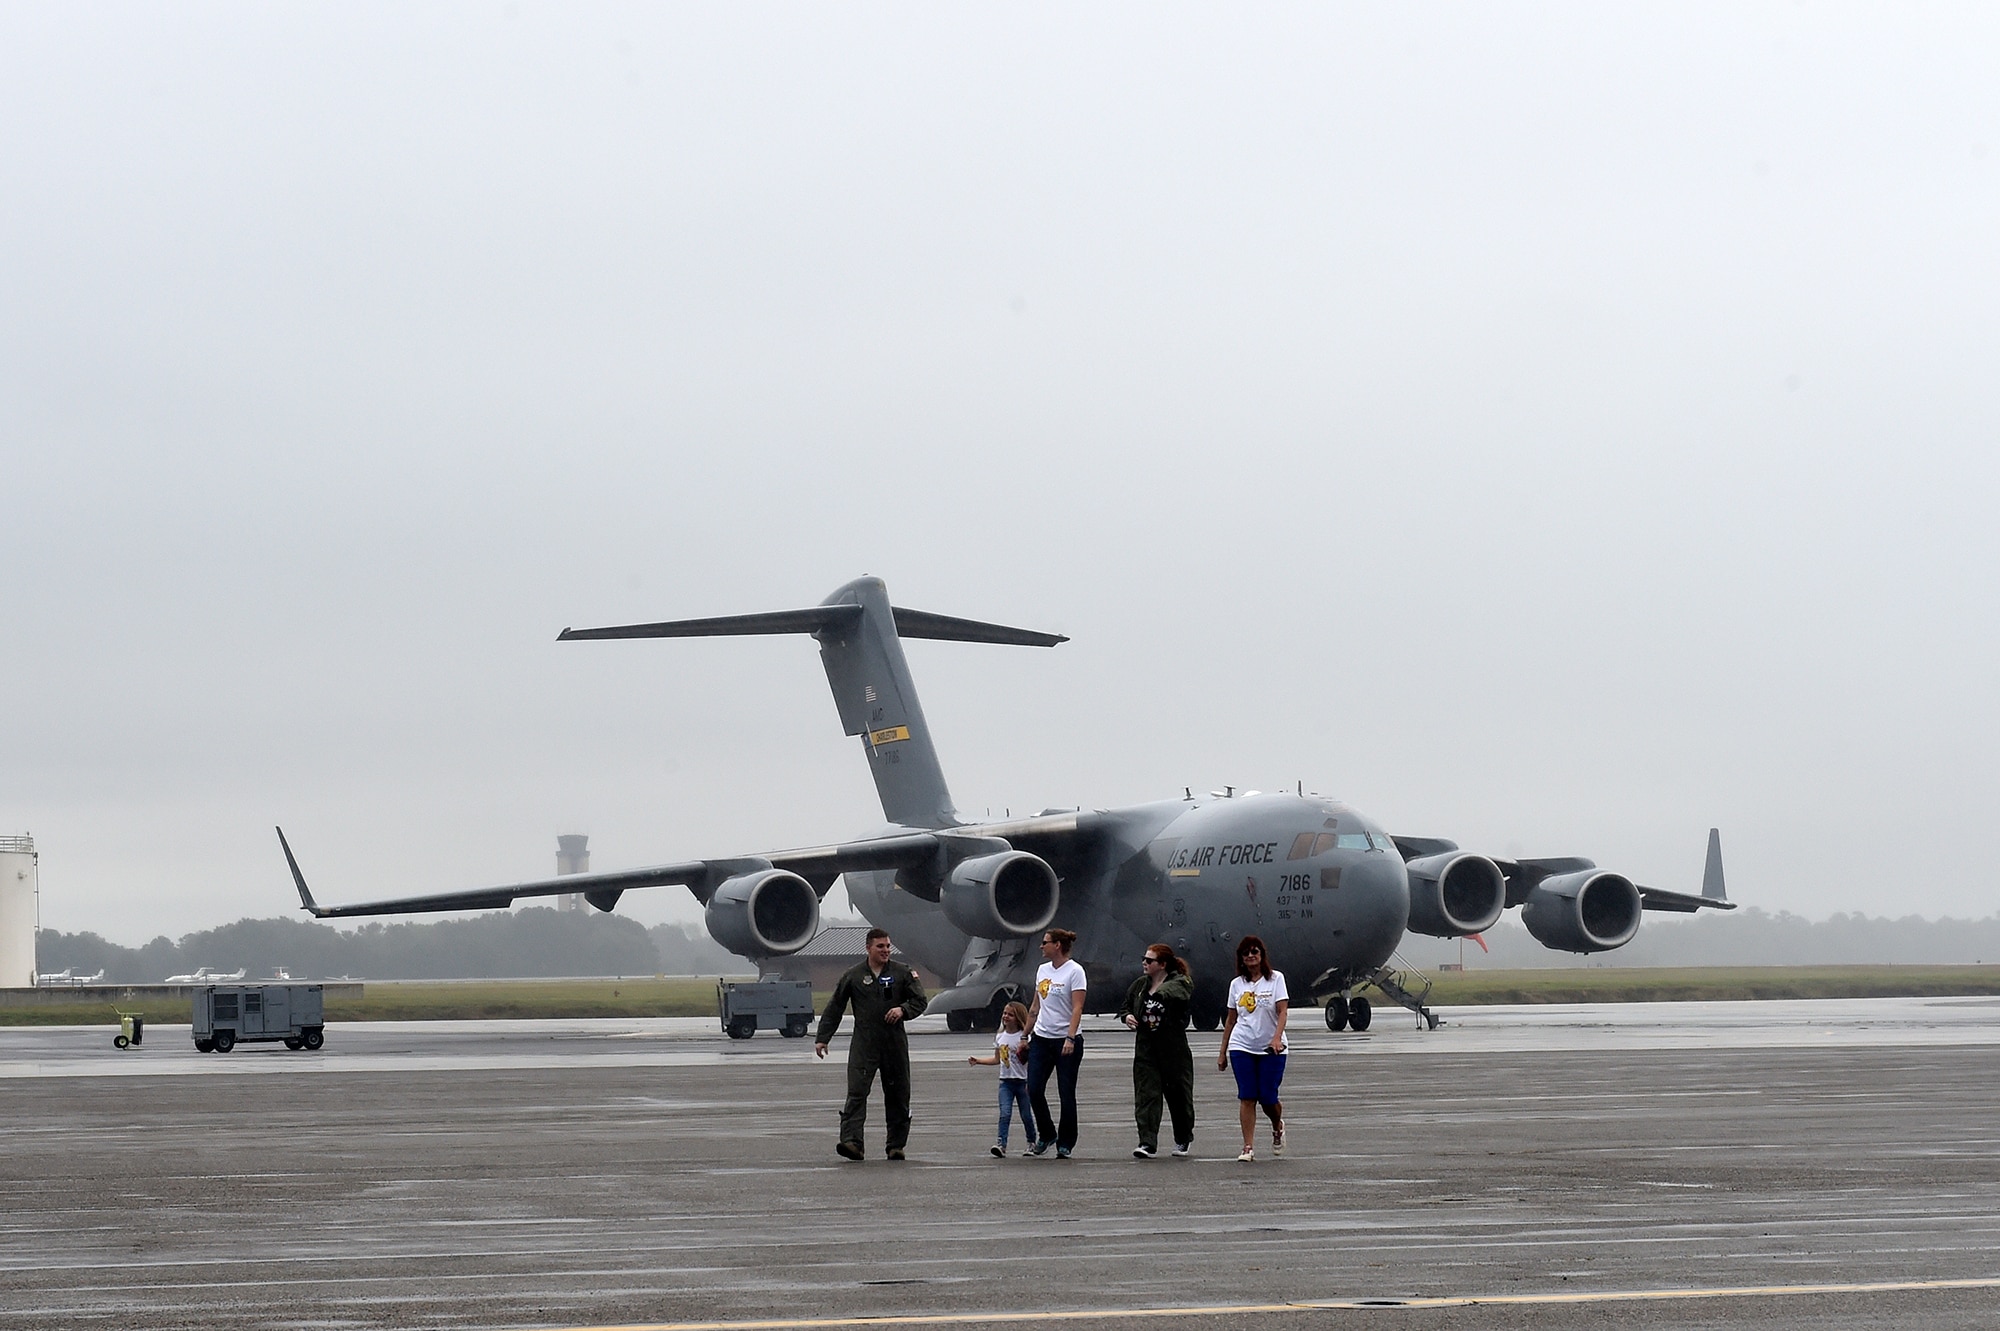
x: 1831, y: 1164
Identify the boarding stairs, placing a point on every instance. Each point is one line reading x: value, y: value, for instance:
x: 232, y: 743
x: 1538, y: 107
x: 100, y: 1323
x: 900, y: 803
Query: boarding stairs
x: 1406, y: 987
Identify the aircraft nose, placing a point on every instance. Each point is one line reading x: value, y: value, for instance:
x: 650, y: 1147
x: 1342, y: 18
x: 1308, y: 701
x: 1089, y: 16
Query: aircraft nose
x: 1378, y: 905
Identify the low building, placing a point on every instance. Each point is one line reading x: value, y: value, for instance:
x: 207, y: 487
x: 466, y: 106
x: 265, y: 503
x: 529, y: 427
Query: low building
x: 836, y: 948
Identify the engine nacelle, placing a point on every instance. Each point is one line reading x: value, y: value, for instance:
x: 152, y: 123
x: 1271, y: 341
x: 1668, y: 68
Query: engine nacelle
x: 1588, y: 911
x: 1011, y: 894
x: 1455, y: 894
x: 764, y: 914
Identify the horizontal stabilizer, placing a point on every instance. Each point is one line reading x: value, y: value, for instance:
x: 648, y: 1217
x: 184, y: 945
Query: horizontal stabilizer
x: 924, y: 624
x: 726, y: 626
x: 909, y: 624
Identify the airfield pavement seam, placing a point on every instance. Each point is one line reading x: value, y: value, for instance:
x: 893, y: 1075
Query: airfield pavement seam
x: 1320, y: 1305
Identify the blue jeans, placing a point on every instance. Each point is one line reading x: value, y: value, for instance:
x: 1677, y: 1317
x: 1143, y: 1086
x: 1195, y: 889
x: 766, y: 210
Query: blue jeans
x: 1045, y: 1057
x: 1014, y: 1096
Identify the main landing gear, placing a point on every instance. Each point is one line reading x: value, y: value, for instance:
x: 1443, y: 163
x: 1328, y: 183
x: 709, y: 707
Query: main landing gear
x: 981, y: 1019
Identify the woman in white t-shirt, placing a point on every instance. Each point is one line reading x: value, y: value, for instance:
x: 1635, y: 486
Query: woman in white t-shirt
x: 1253, y: 1042
x: 1010, y: 1052
x: 1055, y: 1045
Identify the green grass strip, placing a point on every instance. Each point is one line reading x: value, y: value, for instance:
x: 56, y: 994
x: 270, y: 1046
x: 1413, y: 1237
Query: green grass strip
x: 477, y: 1000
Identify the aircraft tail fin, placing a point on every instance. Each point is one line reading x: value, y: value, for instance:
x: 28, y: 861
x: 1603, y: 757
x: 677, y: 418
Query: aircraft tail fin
x: 1711, y: 874
x: 860, y: 645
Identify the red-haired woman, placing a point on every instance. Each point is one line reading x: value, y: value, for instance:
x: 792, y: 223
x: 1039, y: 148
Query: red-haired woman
x: 1156, y: 1008
x: 1253, y: 1042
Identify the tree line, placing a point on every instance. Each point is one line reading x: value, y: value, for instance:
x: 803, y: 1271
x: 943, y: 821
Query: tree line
x: 1744, y: 937
x: 527, y: 943
x: 544, y: 942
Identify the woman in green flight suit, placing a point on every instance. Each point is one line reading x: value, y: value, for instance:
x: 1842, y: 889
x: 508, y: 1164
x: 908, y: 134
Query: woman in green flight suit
x: 1156, y: 1008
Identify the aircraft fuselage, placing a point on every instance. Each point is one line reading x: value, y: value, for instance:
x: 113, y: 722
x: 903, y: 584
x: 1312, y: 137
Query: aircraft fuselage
x: 1321, y: 884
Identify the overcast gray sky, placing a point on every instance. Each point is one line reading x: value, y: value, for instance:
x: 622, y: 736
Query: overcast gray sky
x: 1560, y: 428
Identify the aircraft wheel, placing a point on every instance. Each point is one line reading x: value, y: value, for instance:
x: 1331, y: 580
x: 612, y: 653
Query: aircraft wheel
x: 312, y: 1037
x: 224, y: 1041
x: 1359, y: 1013
x: 204, y: 1046
x: 742, y: 1028
x: 120, y: 1042
x: 959, y: 1020
x: 294, y: 1043
x: 1206, y: 1019
x: 1336, y: 1013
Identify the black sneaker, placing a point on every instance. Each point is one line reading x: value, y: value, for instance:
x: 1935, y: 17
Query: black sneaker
x: 848, y: 1150
x: 1143, y: 1152
x: 1062, y: 1152
x: 894, y: 1153
x: 999, y: 1151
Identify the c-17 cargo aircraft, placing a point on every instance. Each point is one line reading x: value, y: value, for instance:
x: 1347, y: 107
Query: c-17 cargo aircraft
x: 1329, y: 890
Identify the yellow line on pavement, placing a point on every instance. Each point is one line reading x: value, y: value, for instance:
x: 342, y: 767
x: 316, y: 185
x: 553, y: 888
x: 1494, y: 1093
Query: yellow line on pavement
x: 1314, y: 1305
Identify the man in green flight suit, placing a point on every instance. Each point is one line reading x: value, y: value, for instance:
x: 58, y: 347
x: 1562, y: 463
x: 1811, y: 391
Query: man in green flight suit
x: 885, y: 994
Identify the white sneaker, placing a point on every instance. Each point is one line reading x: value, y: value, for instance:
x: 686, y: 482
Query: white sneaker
x: 1248, y: 1157
x: 1182, y: 1150
x: 1278, y: 1138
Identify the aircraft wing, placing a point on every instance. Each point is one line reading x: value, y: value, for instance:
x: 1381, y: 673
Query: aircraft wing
x: 818, y: 865
x: 1658, y: 898
x: 1714, y: 893
x: 1522, y: 875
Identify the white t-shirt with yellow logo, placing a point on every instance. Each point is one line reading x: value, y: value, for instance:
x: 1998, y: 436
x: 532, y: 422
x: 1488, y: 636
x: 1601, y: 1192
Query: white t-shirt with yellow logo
x: 1012, y: 1046
x: 1255, y: 1003
x: 1057, y: 987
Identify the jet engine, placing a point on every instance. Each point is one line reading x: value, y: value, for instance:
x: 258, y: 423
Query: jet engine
x: 1588, y: 911
x: 764, y: 914
x: 1008, y: 895
x: 1454, y: 894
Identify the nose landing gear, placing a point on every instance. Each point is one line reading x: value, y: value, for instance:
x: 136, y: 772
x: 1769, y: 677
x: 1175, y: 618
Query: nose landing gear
x: 1347, y: 1011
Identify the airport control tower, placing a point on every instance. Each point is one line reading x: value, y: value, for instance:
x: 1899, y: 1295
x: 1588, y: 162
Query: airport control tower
x: 572, y: 856
x: 20, y: 912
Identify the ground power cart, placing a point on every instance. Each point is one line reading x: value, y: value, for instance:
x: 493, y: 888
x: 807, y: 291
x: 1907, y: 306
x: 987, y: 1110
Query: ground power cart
x: 783, y: 1005
x: 226, y: 1015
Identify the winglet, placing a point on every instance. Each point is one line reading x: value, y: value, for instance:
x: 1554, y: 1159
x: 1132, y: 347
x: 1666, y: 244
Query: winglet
x: 1711, y: 876
x: 305, y: 893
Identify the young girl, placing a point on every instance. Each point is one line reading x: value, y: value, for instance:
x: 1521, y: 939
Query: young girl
x: 1010, y: 1051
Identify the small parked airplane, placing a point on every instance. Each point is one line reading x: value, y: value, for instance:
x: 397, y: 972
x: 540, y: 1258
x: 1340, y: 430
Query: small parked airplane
x: 58, y: 979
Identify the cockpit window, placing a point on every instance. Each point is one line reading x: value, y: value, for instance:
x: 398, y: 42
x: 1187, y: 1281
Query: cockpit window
x: 1307, y: 845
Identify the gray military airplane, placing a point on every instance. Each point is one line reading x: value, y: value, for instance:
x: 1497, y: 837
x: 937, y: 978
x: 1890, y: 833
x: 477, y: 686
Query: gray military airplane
x: 1330, y: 891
